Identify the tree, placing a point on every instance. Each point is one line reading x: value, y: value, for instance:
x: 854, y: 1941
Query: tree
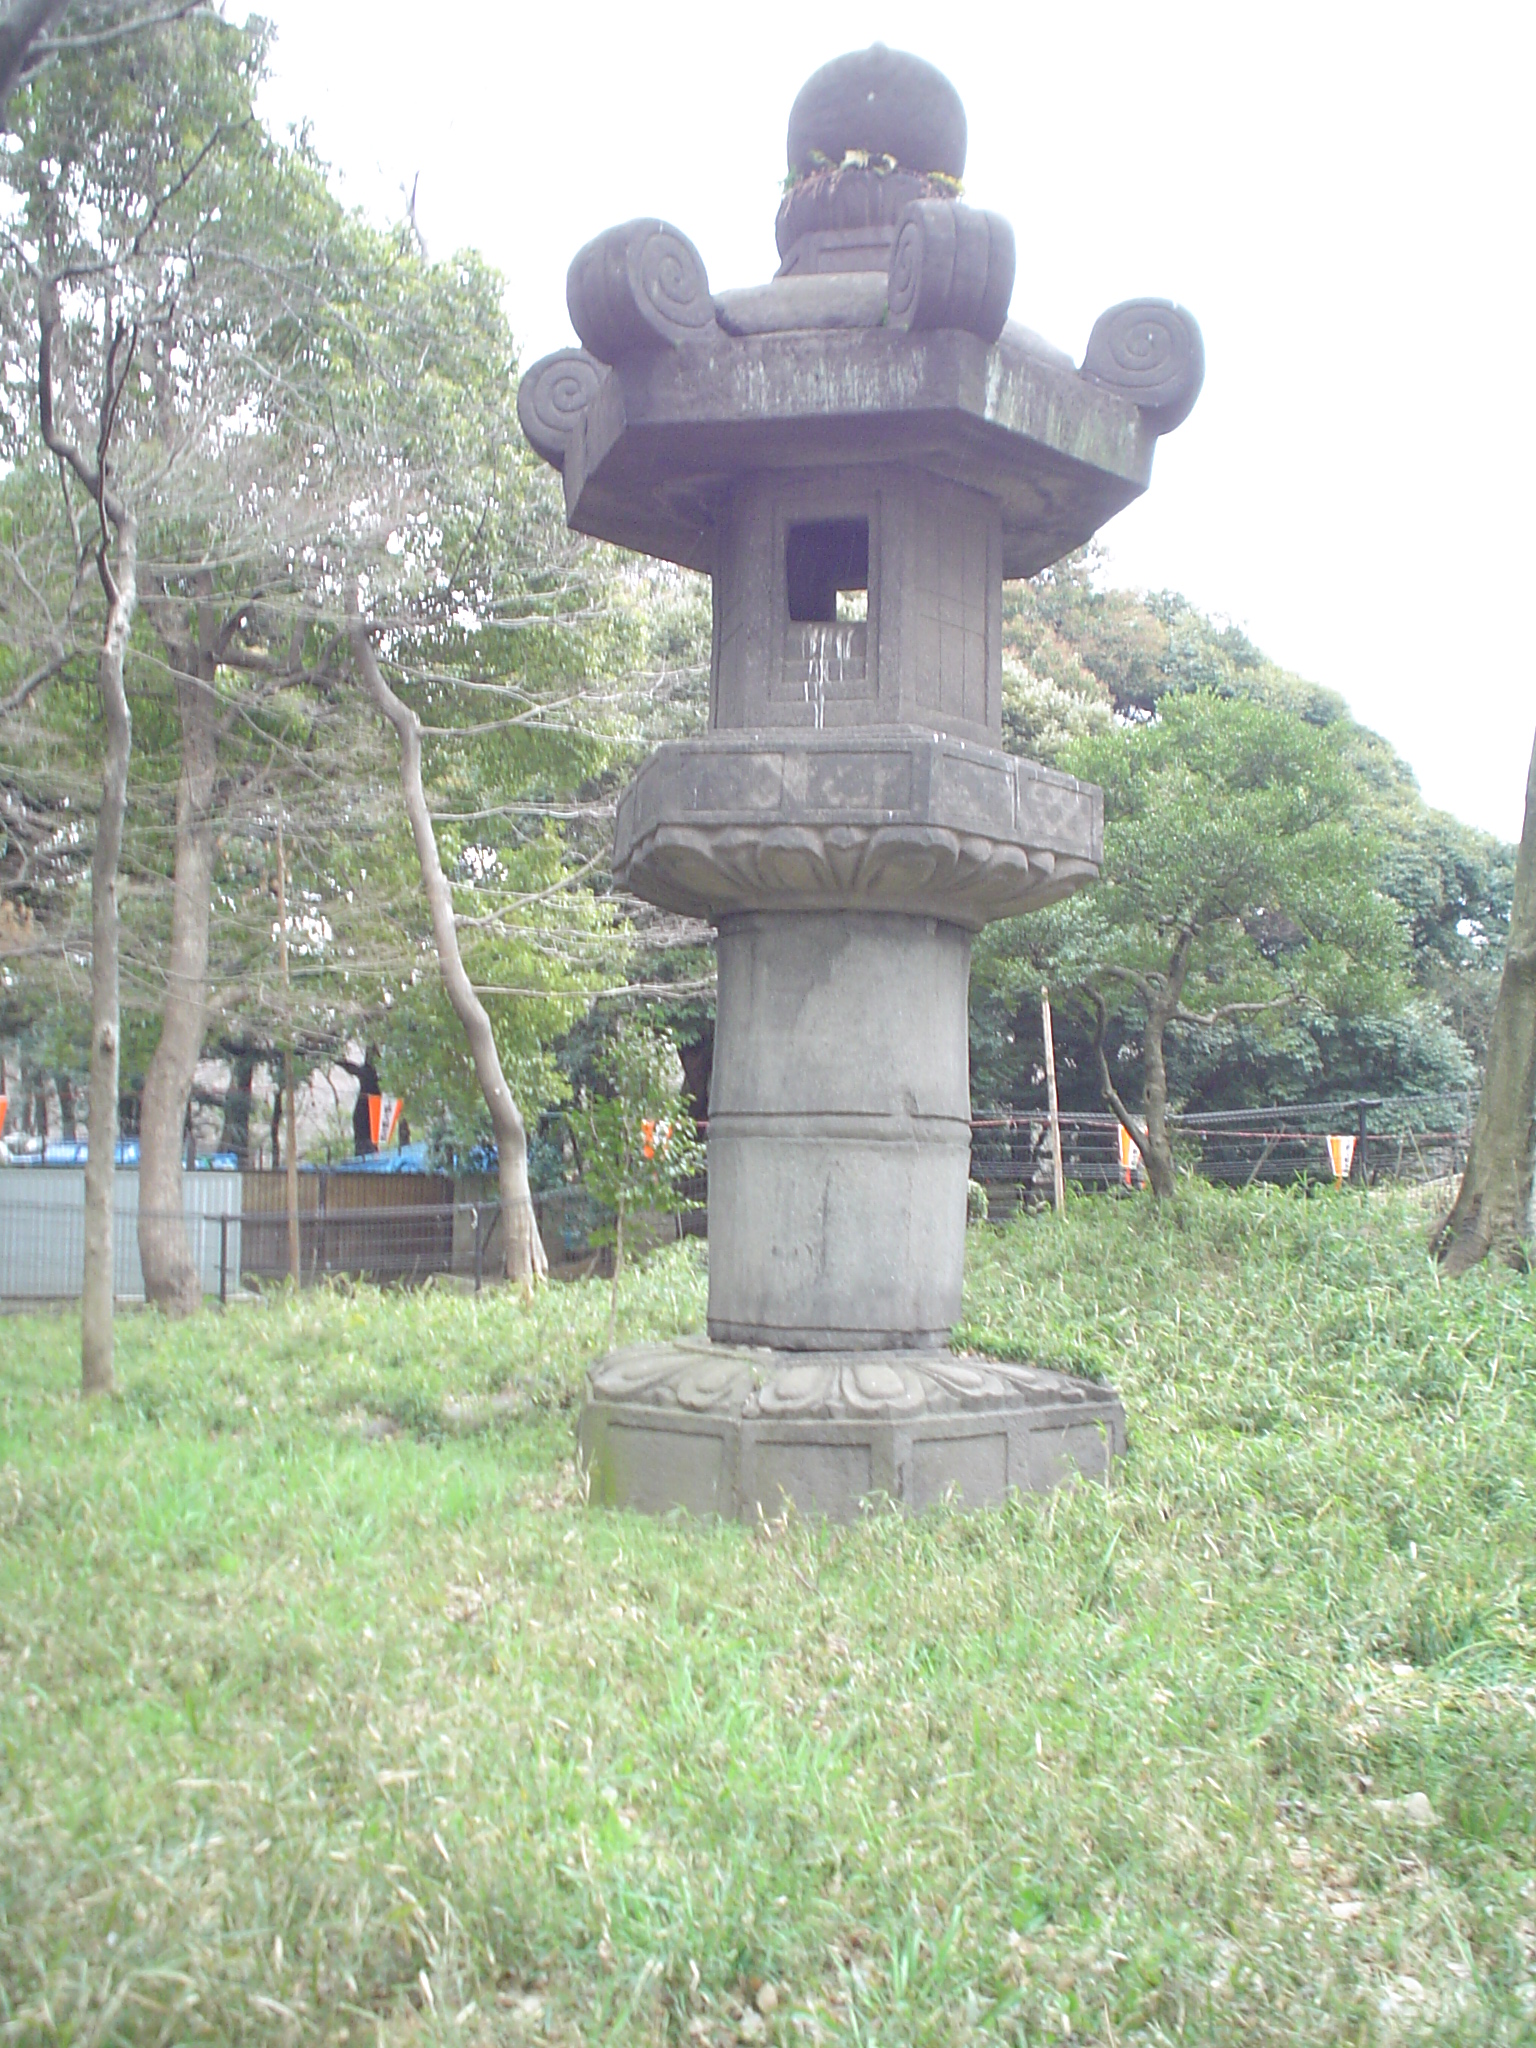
x: 77, y: 420
x: 161, y: 231
x: 119, y: 583
x: 1492, y: 1210
x: 33, y: 32
x: 317, y: 410
x: 524, y: 1250
x: 315, y: 407
x: 1236, y: 885
x: 637, y: 1143
x: 25, y: 26
x: 1077, y: 658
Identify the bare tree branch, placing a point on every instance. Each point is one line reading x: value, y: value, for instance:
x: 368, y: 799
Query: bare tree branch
x: 27, y: 41
x: 1225, y: 1010
x: 35, y: 681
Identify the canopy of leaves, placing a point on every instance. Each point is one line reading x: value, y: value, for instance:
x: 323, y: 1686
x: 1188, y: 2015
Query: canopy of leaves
x: 309, y: 403
x: 1080, y: 663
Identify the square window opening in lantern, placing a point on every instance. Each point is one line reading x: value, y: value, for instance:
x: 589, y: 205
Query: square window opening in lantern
x: 827, y: 571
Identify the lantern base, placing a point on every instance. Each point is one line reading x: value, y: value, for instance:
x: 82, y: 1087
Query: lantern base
x: 745, y: 1433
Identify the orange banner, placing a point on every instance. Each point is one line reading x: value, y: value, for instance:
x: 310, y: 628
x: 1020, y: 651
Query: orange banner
x: 1130, y: 1156
x: 383, y: 1115
x: 1341, y: 1155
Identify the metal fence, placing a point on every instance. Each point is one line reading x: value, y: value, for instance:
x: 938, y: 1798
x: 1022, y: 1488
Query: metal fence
x: 406, y: 1228
x: 42, y: 1248
x: 42, y: 1231
x: 245, y: 1246
x: 1414, y: 1138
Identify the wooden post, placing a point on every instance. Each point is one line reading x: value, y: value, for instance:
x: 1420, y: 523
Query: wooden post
x: 290, y: 1149
x: 1058, y: 1178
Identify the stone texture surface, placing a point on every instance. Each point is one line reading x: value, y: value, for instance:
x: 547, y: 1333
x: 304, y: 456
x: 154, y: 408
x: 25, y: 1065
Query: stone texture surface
x: 857, y: 454
x: 839, y: 1130
x: 951, y: 267
x: 1151, y: 349
x: 637, y: 288
x: 839, y: 202
x: 886, y: 103
x: 744, y: 1434
x: 881, y: 820
x: 649, y: 462
x: 805, y: 302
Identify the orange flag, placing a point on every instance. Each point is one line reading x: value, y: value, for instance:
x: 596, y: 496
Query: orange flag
x: 1341, y: 1155
x: 1130, y: 1156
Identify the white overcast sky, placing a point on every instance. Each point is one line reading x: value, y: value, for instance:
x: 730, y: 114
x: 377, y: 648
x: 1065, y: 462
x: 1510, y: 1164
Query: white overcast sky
x: 1340, y: 193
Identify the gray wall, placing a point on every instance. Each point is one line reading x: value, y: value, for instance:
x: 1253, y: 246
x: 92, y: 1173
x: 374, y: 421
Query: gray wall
x: 42, y: 1230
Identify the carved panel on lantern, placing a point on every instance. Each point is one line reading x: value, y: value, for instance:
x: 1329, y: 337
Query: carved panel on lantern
x: 802, y: 637
x: 825, y: 600
x: 951, y: 657
x: 797, y: 606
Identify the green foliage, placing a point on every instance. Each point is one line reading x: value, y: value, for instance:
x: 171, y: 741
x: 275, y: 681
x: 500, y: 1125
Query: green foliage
x: 1237, y: 875
x: 1236, y: 822
x: 316, y: 403
x: 1077, y: 656
x: 1085, y: 670
x: 324, y: 1696
x: 638, y: 1143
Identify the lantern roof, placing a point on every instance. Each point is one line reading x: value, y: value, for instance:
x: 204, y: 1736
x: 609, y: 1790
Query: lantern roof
x: 884, y: 338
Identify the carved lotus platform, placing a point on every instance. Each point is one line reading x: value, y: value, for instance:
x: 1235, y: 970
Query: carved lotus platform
x: 893, y: 821
x: 737, y: 1432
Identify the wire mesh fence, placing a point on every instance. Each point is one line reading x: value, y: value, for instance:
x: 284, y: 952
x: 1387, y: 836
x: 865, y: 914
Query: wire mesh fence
x: 408, y: 1228
x: 42, y: 1247
x: 1405, y: 1137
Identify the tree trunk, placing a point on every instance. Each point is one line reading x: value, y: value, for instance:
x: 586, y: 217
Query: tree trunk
x: 1492, y: 1210
x: 23, y: 25
x: 1150, y: 1130
x: 96, y: 1293
x: 291, y: 1175
x: 291, y: 1150
x: 1156, y: 1150
x: 522, y: 1246
x: 1048, y: 1041
x: 170, y: 1274
x: 235, y: 1135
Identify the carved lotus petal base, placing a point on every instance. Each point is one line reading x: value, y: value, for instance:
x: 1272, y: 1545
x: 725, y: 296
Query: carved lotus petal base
x: 742, y: 1433
x: 886, y: 820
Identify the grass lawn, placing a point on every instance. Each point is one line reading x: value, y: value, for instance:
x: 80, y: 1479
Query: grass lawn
x: 329, y: 1713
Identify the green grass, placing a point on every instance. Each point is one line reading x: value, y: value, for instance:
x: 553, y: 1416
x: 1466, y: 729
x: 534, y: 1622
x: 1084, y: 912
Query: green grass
x: 329, y: 1713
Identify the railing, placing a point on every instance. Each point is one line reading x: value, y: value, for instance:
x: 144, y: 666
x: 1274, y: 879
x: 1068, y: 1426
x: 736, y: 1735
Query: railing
x: 237, y: 1228
x: 1415, y: 1138
x: 42, y: 1246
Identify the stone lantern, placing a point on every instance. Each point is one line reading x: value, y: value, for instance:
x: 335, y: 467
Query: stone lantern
x: 857, y: 454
